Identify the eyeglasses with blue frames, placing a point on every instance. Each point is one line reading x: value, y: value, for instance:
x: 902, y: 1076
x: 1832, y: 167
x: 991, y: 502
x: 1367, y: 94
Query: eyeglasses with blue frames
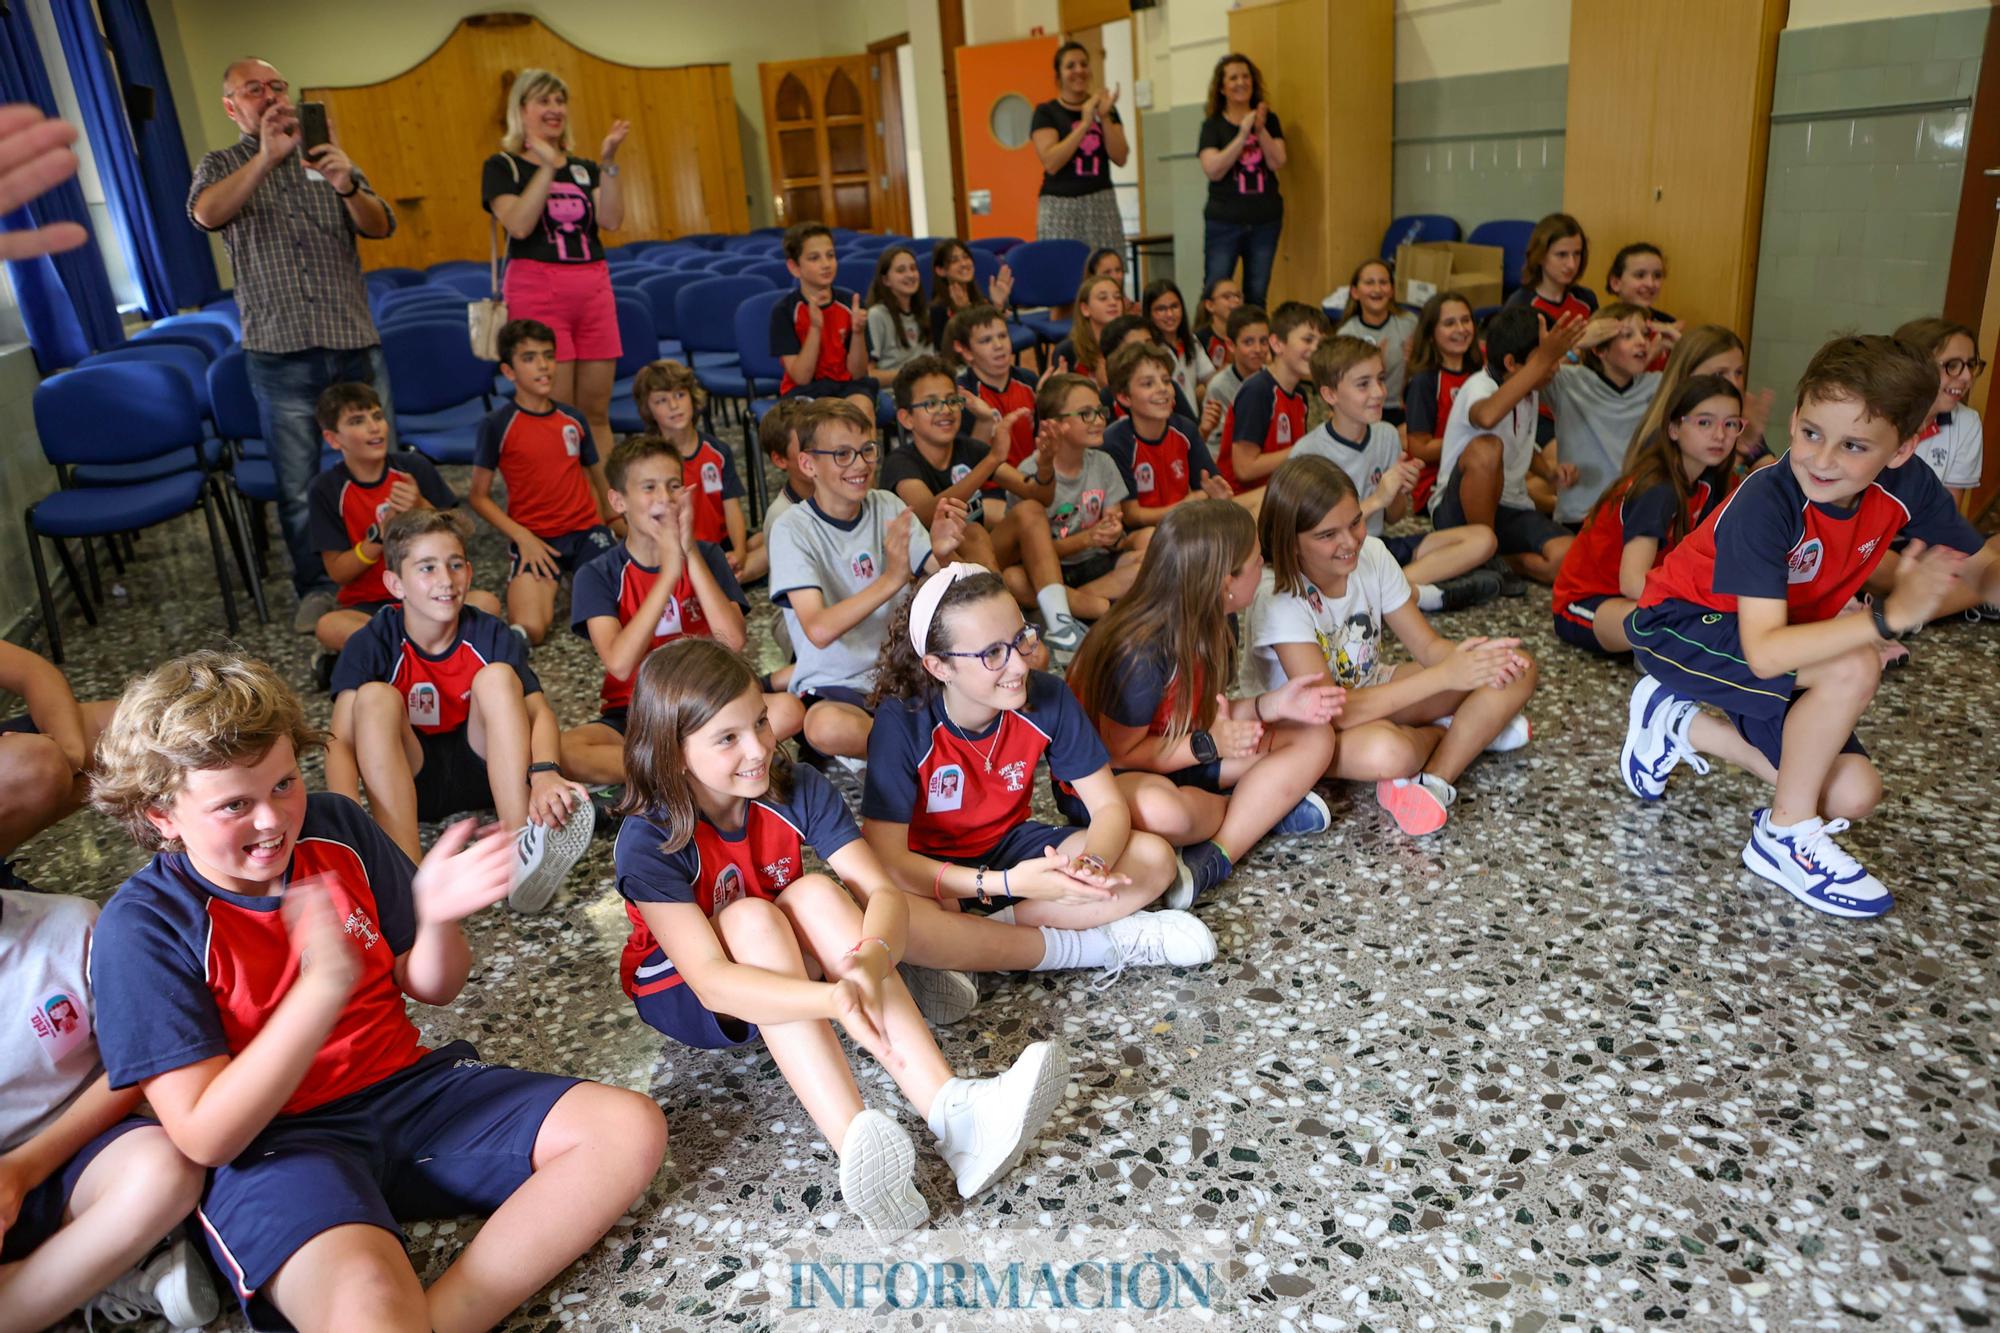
x: 846, y: 453
x: 937, y: 407
x: 994, y: 655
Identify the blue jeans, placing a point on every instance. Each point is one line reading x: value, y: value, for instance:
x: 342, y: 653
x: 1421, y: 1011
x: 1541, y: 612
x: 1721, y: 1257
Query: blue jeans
x: 1255, y: 243
x: 287, y: 385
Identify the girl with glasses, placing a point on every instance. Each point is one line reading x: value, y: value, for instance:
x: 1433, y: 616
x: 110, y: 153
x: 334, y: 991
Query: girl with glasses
x: 1953, y: 443
x: 1678, y: 473
x: 961, y: 723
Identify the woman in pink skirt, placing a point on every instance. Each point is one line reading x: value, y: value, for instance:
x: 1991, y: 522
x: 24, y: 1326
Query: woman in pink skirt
x: 550, y: 202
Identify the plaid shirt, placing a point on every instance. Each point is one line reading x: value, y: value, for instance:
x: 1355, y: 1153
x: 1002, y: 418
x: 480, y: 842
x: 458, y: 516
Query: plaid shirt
x: 298, y: 276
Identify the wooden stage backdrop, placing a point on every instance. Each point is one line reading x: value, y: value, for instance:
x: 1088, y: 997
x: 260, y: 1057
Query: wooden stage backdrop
x: 422, y: 136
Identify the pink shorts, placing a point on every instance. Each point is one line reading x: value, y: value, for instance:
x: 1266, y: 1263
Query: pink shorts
x: 573, y: 299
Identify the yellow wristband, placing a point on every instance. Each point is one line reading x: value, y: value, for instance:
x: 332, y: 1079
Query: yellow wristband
x: 363, y: 556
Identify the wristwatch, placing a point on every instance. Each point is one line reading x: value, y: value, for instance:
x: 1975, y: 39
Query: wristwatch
x: 1204, y: 747
x: 610, y: 169
x: 374, y: 533
x: 543, y: 767
x: 1882, y: 626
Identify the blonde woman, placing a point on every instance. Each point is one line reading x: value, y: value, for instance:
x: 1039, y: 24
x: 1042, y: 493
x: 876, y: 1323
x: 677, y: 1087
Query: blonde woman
x: 550, y: 203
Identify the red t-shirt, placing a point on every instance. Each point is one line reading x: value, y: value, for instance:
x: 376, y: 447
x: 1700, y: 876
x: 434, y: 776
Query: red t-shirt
x: 708, y: 477
x: 542, y: 456
x: 1019, y: 393
x: 1267, y: 415
x: 791, y: 321
x: 1591, y: 567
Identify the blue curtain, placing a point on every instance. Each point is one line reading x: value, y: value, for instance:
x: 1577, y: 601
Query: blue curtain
x: 163, y: 157
x: 102, y: 103
x: 75, y: 314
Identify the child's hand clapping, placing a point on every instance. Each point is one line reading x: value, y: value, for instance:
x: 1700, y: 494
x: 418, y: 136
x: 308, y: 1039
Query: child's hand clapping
x: 1215, y: 488
x: 1002, y: 287
x: 403, y: 496
x: 947, y: 531
x: 464, y: 872
x: 896, y: 547
x: 1313, y: 700
x: 1481, y: 663
x: 1924, y: 577
x: 325, y: 951
x: 1110, y: 530
x: 1235, y: 738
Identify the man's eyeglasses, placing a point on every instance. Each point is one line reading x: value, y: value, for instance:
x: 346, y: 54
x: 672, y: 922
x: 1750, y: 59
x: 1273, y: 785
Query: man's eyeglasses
x: 1098, y: 413
x: 994, y: 655
x: 845, y: 455
x: 937, y: 407
x: 1960, y: 365
x: 257, y: 88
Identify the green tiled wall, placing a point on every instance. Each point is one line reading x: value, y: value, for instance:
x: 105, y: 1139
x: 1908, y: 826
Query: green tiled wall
x: 1868, y: 131
x: 1480, y: 146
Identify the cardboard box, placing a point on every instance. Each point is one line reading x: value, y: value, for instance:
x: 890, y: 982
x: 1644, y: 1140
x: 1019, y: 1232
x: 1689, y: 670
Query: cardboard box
x: 1430, y: 267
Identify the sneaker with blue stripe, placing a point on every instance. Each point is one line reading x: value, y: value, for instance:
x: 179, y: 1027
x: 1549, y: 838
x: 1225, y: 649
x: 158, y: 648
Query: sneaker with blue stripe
x: 1656, y: 739
x: 1310, y: 815
x: 1807, y: 863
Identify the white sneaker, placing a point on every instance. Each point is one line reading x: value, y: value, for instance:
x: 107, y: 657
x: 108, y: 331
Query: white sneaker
x: 1148, y: 939
x: 1656, y: 739
x: 943, y: 996
x: 858, y: 767
x: 173, y: 1285
x: 1063, y: 637
x: 1513, y: 736
x: 543, y: 858
x: 984, y: 1125
x: 1807, y: 863
x: 878, y: 1177
x: 1180, y: 894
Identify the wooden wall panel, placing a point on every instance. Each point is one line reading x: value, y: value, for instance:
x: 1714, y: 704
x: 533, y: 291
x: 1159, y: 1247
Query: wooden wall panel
x: 423, y: 135
x: 1667, y: 143
x: 1337, y: 130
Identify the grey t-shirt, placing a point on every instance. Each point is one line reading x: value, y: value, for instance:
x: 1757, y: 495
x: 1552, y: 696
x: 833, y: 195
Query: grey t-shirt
x: 1222, y: 389
x: 1393, y: 337
x: 1083, y: 500
x: 811, y: 550
x: 1594, y: 423
x: 1377, y: 454
x: 48, y: 1041
x: 888, y: 354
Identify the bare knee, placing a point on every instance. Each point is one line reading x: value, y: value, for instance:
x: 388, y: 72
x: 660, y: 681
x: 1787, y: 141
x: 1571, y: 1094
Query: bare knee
x: 815, y: 893
x: 1854, y: 674
x: 1854, y: 790
x: 496, y: 683
x: 155, y: 1178
x: 1149, y: 861
x: 1480, y: 541
x: 755, y: 931
x: 1157, y: 807
x: 1379, y: 751
x: 1481, y: 458
x: 34, y: 773
x: 598, y: 1117
x: 376, y: 700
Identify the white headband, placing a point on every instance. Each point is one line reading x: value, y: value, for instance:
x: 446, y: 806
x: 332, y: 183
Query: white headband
x: 923, y: 607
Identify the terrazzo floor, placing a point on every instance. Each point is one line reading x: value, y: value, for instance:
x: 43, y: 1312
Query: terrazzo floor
x: 1566, y: 1063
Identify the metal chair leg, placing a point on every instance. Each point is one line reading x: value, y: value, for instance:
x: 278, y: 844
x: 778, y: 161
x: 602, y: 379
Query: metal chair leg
x: 239, y: 546
x: 49, y: 622
x: 117, y: 555
x: 90, y: 563
x: 75, y: 580
x: 221, y: 563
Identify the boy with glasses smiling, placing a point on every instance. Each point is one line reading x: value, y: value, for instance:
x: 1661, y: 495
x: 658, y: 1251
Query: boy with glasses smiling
x: 837, y: 563
x: 946, y: 459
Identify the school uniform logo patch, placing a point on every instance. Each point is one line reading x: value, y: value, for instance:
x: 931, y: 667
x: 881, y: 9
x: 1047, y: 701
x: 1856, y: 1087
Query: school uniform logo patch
x: 59, y: 1026
x: 670, y: 619
x: 946, y: 791
x: 1015, y: 775
x: 1868, y: 548
x: 423, y: 705
x: 863, y: 565
x: 728, y: 887
x: 1143, y: 474
x: 960, y: 472
x: 1802, y: 565
x: 781, y: 872
x: 1284, y: 430
x: 711, y: 479
x: 572, y: 440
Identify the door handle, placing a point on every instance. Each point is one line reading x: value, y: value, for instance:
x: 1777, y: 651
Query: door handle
x: 1991, y: 171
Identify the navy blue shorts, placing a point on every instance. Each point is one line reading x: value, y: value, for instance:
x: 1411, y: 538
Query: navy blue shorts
x: 573, y: 549
x: 42, y: 1210
x: 613, y: 718
x: 837, y: 694
x: 1698, y: 654
x: 832, y: 389
x: 450, y: 1135
x: 677, y: 1012
x: 23, y: 724
x: 1090, y: 567
x: 1208, y: 777
x: 453, y: 778
x: 1574, y: 629
x: 1404, y: 548
x: 1521, y: 531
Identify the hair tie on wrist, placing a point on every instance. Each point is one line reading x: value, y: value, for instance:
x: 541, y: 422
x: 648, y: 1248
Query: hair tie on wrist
x: 923, y: 606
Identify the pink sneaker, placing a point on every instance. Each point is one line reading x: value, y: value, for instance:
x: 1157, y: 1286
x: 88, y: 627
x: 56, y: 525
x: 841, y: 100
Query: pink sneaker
x: 1419, y: 805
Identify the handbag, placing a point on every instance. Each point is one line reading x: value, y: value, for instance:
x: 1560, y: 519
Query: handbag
x: 485, y: 318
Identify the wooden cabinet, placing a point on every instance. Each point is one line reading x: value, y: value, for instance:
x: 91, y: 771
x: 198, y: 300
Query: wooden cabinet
x: 1668, y: 123
x: 1337, y: 105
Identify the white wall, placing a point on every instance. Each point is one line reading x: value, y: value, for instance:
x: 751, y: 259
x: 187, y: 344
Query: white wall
x: 1826, y: 13
x: 1437, y: 39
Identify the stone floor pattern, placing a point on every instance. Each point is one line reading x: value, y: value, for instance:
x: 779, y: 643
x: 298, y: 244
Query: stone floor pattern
x: 1566, y: 1063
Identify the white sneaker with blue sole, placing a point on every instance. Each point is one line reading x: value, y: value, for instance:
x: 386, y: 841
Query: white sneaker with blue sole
x: 1807, y: 863
x: 1656, y: 739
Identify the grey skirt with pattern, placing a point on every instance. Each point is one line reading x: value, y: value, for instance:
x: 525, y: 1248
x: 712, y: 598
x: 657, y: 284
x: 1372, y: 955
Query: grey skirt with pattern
x: 1090, y: 218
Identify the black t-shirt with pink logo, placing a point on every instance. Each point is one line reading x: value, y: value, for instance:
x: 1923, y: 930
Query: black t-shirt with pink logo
x: 567, y: 232
x: 1089, y: 169
x: 1248, y: 193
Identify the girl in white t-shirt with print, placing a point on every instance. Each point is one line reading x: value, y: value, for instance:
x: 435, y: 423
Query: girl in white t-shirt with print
x: 1412, y: 728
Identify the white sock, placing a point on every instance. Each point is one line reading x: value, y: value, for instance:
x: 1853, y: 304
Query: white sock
x: 1063, y: 950
x: 1430, y: 597
x: 1054, y: 603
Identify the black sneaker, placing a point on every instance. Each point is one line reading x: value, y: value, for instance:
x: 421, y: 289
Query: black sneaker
x: 323, y: 671
x: 1511, y: 584
x: 1473, y: 589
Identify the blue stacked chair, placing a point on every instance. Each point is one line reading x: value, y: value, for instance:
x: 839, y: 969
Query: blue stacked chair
x: 1511, y: 235
x: 641, y: 348
x: 660, y: 290
x: 706, y: 240
x: 442, y: 391
x: 221, y: 328
x: 157, y: 445
x: 998, y: 245
x: 773, y: 272
x: 705, y: 313
x: 454, y: 266
x: 191, y: 362
x: 200, y: 342
x: 470, y: 283
x: 427, y: 297
x: 1046, y: 274
x: 1416, y: 229
x: 762, y: 373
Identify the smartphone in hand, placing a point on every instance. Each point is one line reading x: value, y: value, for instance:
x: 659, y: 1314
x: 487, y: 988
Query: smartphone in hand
x: 312, y: 126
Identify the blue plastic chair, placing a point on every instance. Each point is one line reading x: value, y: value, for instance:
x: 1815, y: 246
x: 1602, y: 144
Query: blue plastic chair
x: 1046, y: 274
x: 400, y: 277
x: 672, y: 256
x: 706, y: 240
x: 429, y: 297
x: 442, y: 392
x: 470, y: 283
x: 1511, y: 235
x: 222, y: 327
x: 734, y: 262
x: 200, y: 342
x: 774, y: 273
x: 762, y: 373
x: 191, y: 362
x: 998, y: 245
x: 660, y: 290
x: 640, y: 349
x: 454, y: 266
x: 702, y: 312
x: 76, y: 431
x: 1416, y: 229
x: 763, y: 247
x: 224, y: 311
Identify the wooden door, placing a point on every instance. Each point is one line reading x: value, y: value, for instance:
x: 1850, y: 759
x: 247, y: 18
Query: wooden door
x: 999, y: 86
x: 891, y: 135
x: 1989, y: 351
x: 819, y: 124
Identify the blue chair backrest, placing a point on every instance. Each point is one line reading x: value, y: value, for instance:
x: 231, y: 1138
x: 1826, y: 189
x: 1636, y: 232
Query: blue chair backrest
x: 620, y: 258
x: 422, y: 314
x: 999, y: 245
x: 428, y: 297
x: 734, y: 262
x: 432, y: 366
x: 708, y: 261
x: 643, y: 247
x: 753, y: 341
x: 707, y: 240
x: 660, y: 290
x: 640, y: 344
x: 774, y: 273
x: 1511, y: 235
x: 161, y: 413
x: 703, y: 311
x: 1047, y: 273
x: 841, y: 235
x: 191, y: 362
x: 453, y: 266
x: 854, y: 272
x: 226, y: 320
x: 470, y: 283
x: 400, y: 277
x: 671, y: 257
x: 230, y: 394
x: 1416, y: 229
x: 778, y: 232
x: 761, y: 246
x: 201, y: 340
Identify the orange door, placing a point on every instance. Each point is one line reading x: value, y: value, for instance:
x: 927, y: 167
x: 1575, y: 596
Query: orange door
x: 819, y: 122
x: 999, y: 86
